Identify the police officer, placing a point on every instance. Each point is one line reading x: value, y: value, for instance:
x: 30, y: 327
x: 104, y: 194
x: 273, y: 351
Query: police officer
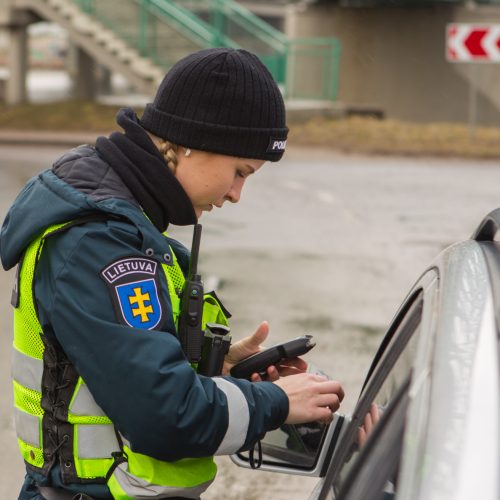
x: 106, y: 403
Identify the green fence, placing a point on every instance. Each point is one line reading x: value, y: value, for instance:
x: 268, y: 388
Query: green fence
x: 313, y: 69
x: 164, y: 31
x: 245, y: 29
x: 158, y: 29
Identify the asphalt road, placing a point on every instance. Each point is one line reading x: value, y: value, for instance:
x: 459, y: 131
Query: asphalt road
x: 321, y: 243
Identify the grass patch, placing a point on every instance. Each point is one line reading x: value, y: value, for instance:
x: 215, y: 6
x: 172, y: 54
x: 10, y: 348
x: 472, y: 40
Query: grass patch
x: 68, y: 116
x: 368, y: 135
x: 351, y: 135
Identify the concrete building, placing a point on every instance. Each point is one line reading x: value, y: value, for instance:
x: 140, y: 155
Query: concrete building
x: 392, y: 57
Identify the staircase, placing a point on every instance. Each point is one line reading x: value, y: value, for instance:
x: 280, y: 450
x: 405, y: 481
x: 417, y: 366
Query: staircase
x: 100, y: 43
x: 141, y: 39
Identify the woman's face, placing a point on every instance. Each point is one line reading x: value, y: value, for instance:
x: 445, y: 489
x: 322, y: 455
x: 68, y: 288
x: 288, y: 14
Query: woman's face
x: 211, y: 179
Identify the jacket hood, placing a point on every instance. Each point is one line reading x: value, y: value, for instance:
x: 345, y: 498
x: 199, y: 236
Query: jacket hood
x: 79, y: 184
x: 44, y: 201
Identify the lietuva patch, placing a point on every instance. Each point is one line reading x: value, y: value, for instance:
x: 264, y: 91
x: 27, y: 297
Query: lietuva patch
x: 134, y: 287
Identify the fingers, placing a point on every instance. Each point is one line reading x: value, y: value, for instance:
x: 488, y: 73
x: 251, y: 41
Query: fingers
x: 361, y: 436
x: 286, y: 371
x: 331, y: 401
x: 259, y: 336
x: 311, y: 397
x: 325, y: 416
x: 247, y: 346
x: 297, y: 363
x: 273, y: 373
x: 369, y: 422
x: 271, y: 376
x: 329, y: 386
x: 336, y: 388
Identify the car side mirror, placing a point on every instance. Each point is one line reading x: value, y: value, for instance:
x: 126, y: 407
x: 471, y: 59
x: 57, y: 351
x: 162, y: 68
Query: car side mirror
x: 302, y: 449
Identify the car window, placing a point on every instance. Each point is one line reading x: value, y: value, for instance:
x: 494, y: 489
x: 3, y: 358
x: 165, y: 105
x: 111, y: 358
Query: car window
x: 375, y: 473
x: 398, y: 326
x: 402, y: 365
x: 388, y: 373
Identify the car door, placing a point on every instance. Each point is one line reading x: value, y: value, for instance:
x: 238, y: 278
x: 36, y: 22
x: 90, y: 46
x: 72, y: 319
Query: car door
x: 331, y: 451
x: 369, y: 463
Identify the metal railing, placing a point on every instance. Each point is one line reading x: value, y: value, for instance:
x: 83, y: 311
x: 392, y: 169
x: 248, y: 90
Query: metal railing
x: 158, y: 29
x: 246, y: 29
x: 165, y: 30
x: 313, y: 69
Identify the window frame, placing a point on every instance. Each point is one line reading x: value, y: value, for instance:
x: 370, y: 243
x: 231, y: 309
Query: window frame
x: 401, y: 330
x: 387, y: 439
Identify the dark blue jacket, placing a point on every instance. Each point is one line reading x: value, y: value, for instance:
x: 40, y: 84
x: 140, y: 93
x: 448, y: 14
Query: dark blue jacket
x: 140, y: 378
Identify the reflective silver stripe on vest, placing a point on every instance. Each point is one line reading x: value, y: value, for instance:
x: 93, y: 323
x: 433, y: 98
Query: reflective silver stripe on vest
x: 239, y: 417
x: 84, y: 403
x: 140, y: 489
x: 28, y: 427
x: 125, y: 441
x: 96, y: 441
x: 27, y: 371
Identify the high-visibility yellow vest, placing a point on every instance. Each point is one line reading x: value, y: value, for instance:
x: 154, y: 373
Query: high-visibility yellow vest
x: 84, y: 438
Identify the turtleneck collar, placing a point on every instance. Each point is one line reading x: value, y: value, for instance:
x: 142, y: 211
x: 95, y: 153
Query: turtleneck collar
x: 142, y: 168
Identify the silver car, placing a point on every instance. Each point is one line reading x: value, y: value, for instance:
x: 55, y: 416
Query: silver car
x: 434, y: 386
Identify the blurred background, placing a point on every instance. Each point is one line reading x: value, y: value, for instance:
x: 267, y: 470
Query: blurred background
x: 393, y: 107
x: 383, y: 76
x: 385, y: 58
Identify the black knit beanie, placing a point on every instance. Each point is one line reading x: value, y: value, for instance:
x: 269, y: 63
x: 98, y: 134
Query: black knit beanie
x: 222, y: 101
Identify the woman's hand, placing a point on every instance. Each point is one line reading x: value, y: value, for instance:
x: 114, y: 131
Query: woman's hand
x: 312, y: 398
x: 369, y: 422
x: 253, y: 344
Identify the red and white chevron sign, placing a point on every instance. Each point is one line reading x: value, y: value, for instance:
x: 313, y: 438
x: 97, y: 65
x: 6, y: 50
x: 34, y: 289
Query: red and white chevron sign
x: 473, y: 42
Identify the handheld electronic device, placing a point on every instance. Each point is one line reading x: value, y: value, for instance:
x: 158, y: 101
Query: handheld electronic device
x: 258, y: 363
x: 190, y: 332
